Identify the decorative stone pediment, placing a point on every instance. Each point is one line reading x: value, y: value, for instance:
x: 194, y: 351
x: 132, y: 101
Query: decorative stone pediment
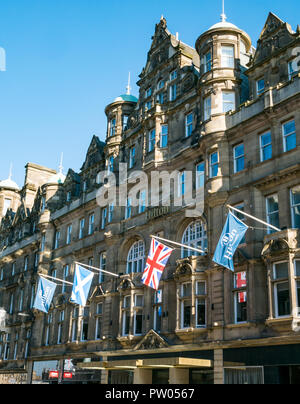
x: 276, y: 35
x: 94, y: 153
x: 151, y: 341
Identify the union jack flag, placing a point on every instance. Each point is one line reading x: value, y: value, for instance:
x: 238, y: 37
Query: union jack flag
x: 156, y: 263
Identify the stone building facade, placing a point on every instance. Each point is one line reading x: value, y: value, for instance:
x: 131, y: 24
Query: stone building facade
x: 228, y: 115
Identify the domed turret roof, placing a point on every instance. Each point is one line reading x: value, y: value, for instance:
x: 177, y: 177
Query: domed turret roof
x: 223, y: 24
x: 58, y: 178
x: 9, y: 184
x: 126, y: 97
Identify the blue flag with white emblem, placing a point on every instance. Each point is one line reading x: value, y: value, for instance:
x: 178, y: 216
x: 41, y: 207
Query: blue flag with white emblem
x: 44, y: 296
x: 82, y: 284
x: 232, y: 235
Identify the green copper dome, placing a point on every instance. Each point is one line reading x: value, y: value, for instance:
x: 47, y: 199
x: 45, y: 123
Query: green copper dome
x: 126, y: 97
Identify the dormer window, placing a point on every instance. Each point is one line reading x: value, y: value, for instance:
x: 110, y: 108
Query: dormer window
x: 260, y: 86
x: 173, y: 75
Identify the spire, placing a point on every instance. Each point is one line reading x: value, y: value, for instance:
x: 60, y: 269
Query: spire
x: 223, y: 15
x: 60, y: 167
x: 10, y: 171
x: 128, y: 88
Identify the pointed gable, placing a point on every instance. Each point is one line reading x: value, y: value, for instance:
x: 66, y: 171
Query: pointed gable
x: 275, y: 36
x: 159, y: 50
x: 95, y: 153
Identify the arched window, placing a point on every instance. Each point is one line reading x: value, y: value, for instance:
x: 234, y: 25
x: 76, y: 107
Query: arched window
x: 195, y: 236
x: 136, y: 257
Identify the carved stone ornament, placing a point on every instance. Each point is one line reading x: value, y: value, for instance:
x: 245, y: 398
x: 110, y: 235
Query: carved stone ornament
x: 151, y: 341
x: 275, y: 247
x: 184, y: 267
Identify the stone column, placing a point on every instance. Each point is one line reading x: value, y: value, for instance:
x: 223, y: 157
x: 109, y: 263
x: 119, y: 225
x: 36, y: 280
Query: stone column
x: 29, y: 372
x: 142, y: 376
x: 218, y: 367
x: 179, y: 376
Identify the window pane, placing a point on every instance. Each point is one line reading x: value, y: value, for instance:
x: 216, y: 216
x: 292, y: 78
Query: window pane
x: 201, y: 313
x: 297, y: 268
x: 281, y: 271
x: 283, y: 299
x: 187, y: 311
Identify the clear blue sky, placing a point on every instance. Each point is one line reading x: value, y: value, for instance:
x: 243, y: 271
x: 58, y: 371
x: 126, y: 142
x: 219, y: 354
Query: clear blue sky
x: 68, y: 59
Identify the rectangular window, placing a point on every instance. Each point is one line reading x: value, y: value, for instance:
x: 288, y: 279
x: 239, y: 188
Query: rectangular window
x: 128, y: 209
x: 272, y: 209
x: 69, y: 234
x: 213, y: 165
x: 293, y: 68
x: 289, y: 136
x: 160, y: 98
x: 113, y: 127
x: 81, y: 228
x: 102, y: 266
x: 201, y: 304
x: 164, y: 136
x: 181, y: 183
x: 21, y: 299
x: 240, y: 306
x: 26, y: 264
x: 260, y: 86
x: 173, y: 92
x: 91, y: 224
x: 228, y: 101
x: 200, y: 175
x: 281, y: 289
x: 207, y: 62
x: 110, y: 212
x: 158, y: 311
x: 126, y: 315
x: 110, y: 164
x: 295, y: 207
x: 207, y: 108
x: 65, y: 277
x: 142, y: 201
x: 6, y: 206
x: 265, y: 146
x: 103, y: 218
x: 98, y: 330
x: 125, y: 122
x: 85, y: 324
x: 239, y: 157
x: 131, y: 157
x: 189, y: 125
x: 151, y: 140
x: 227, y: 56
x: 173, y: 75
x: 57, y: 240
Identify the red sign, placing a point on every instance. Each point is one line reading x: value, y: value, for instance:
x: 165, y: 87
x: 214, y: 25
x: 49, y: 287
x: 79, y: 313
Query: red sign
x: 242, y: 297
x: 241, y: 280
x: 68, y: 375
x: 53, y: 374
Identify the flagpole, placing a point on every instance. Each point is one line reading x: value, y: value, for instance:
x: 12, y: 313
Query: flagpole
x: 180, y: 245
x: 56, y: 279
x: 254, y: 218
x: 97, y: 269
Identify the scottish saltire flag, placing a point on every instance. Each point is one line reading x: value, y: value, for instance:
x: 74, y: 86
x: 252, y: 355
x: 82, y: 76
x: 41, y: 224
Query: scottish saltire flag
x: 82, y: 284
x: 156, y: 263
x: 44, y: 296
x: 231, y: 237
